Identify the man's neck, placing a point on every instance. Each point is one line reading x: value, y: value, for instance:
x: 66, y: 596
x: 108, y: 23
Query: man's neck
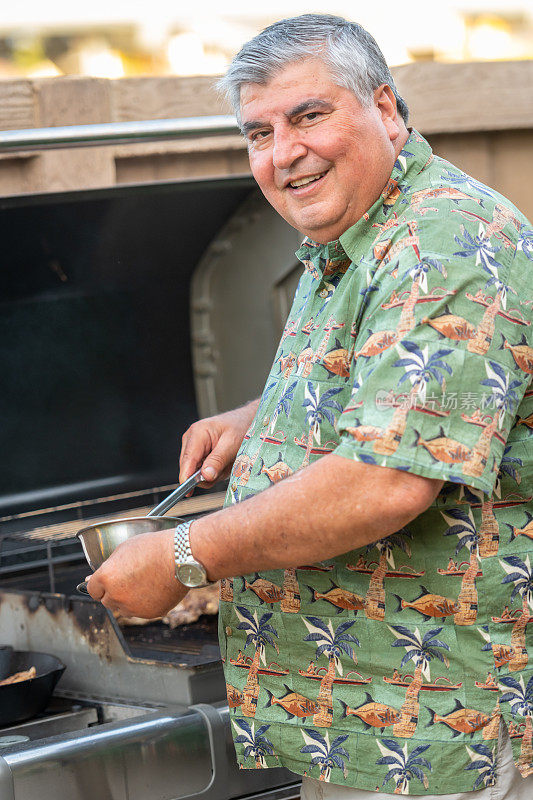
x: 402, y: 138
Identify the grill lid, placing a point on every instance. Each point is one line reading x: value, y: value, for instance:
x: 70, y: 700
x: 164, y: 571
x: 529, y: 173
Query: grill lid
x: 95, y: 337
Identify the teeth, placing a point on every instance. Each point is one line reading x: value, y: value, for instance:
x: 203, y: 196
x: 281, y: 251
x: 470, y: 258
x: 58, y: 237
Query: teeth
x: 304, y: 181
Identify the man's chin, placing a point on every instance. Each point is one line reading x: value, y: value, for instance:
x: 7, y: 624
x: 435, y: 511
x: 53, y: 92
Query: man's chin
x: 321, y: 231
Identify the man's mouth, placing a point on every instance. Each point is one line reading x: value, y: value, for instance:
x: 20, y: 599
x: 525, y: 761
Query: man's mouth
x: 296, y: 184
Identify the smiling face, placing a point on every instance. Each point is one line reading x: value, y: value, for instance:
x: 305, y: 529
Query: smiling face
x: 320, y: 157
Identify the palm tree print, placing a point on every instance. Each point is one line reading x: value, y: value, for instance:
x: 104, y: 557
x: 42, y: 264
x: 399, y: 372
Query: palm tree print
x: 482, y: 340
x: 331, y: 644
x: 418, y: 274
x: 479, y: 247
x: 226, y: 589
x: 327, y: 755
x: 419, y: 368
x: 375, y: 596
x: 519, y: 573
x: 256, y: 743
x: 461, y: 179
x: 264, y: 396
x: 462, y: 525
x: 290, y: 602
x: 283, y: 406
x: 370, y: 287
x: 489, y: 533
x: 262, y: 403
x: 484, y: 253
x: 504, y: 399
x: 419, y: 650
x: 404, y: 766
x: 525, y: 242
x: 483, y: 759
x: 317, y: 411
x: 260, y: 634
x: 520, y: 699
x: 508, y: 466
x: 331, y: 325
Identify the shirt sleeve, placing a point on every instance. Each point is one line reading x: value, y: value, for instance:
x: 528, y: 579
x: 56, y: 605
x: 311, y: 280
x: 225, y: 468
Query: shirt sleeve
x: 437, y: 379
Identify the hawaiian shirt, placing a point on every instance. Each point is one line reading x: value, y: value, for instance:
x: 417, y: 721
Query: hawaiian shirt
x: 409, y: 345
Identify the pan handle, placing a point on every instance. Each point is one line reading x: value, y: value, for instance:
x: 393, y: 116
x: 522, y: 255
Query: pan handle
x: 174, y: 496
x: 82, y: 588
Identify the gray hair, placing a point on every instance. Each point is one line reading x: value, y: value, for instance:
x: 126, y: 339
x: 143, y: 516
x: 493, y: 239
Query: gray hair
x: 351, y: 54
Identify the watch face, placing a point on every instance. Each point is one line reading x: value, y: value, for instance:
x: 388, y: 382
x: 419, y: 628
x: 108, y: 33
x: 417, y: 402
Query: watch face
x: 191, y: 574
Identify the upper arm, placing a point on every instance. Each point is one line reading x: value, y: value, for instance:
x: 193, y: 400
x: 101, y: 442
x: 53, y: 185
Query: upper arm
x: 436, y: 386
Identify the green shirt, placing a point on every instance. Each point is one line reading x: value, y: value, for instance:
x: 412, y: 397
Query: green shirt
x: 408, y: 345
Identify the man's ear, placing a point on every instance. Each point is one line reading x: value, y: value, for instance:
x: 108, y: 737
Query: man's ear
x: 385, y: 102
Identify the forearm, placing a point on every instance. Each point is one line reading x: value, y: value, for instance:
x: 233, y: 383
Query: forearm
x: 328, y: 508
x: 249, y: 409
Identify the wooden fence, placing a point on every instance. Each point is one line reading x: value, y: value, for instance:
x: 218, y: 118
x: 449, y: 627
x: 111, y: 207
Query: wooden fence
x: 478, y: 115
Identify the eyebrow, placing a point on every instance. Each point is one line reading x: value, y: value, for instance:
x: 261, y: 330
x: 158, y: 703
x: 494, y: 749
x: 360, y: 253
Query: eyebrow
x: 301, y: 108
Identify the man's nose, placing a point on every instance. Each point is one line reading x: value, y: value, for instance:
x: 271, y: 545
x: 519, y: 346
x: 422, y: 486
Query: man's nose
x: 288, y: 147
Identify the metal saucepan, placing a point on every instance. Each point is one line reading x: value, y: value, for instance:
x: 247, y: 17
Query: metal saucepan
x: 25, y: 699
x: 99, y: 541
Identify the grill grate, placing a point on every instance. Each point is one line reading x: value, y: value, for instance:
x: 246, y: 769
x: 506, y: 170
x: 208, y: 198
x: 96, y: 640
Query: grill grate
x: 27, y: 548
x: 187, y: 645
x: 68, y: 530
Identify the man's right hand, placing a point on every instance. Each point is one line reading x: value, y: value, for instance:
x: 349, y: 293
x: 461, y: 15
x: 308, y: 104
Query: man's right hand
x: 213, y: 443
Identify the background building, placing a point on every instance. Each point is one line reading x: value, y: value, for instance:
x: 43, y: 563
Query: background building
x: 122, y: 39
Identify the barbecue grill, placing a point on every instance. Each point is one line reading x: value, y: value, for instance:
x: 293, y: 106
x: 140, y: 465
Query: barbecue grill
x: 126, y: 314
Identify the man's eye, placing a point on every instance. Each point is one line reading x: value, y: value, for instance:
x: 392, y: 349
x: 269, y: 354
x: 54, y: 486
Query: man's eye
x: 257, y: 136
x: 310, y: 116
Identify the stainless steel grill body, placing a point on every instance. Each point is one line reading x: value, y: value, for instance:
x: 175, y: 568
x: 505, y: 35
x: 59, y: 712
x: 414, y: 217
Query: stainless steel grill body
x: 100, y: 664
x: 141, y: 728
x: 159, y: 755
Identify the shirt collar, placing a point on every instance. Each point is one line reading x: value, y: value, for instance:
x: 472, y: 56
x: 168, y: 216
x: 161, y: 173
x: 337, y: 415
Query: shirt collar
x: 321, y: 260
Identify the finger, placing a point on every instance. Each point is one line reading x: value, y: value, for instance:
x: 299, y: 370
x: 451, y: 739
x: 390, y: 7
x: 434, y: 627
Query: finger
x: 112, y: 607
x: 109, y: 602
x: 193, y: 454
x: 94, y: 587
x: 218, y: 460
x: 225, y: 473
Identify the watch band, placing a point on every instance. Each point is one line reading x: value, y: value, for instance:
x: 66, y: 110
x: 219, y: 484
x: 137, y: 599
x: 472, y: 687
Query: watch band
x: 182, y: 547
x: 183, y: 556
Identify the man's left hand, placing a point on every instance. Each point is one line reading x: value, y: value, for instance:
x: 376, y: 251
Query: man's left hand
x: 137, y: 580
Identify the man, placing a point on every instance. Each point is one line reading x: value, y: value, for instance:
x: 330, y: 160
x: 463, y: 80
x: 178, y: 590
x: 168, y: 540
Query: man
x: 401, y: 387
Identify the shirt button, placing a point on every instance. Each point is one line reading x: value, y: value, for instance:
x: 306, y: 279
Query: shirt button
x: 228, y: 630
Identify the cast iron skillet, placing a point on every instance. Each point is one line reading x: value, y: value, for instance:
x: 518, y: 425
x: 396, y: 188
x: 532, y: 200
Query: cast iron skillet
x: 20, y: 701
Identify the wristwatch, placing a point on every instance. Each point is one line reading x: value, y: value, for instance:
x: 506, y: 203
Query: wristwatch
x: 187, y: 570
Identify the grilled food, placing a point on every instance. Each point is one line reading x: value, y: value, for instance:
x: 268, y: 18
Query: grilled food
x: 17, y: 677
x: 194, y: 604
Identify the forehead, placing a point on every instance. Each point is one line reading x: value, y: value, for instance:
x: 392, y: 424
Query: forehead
x: 288, y: 88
